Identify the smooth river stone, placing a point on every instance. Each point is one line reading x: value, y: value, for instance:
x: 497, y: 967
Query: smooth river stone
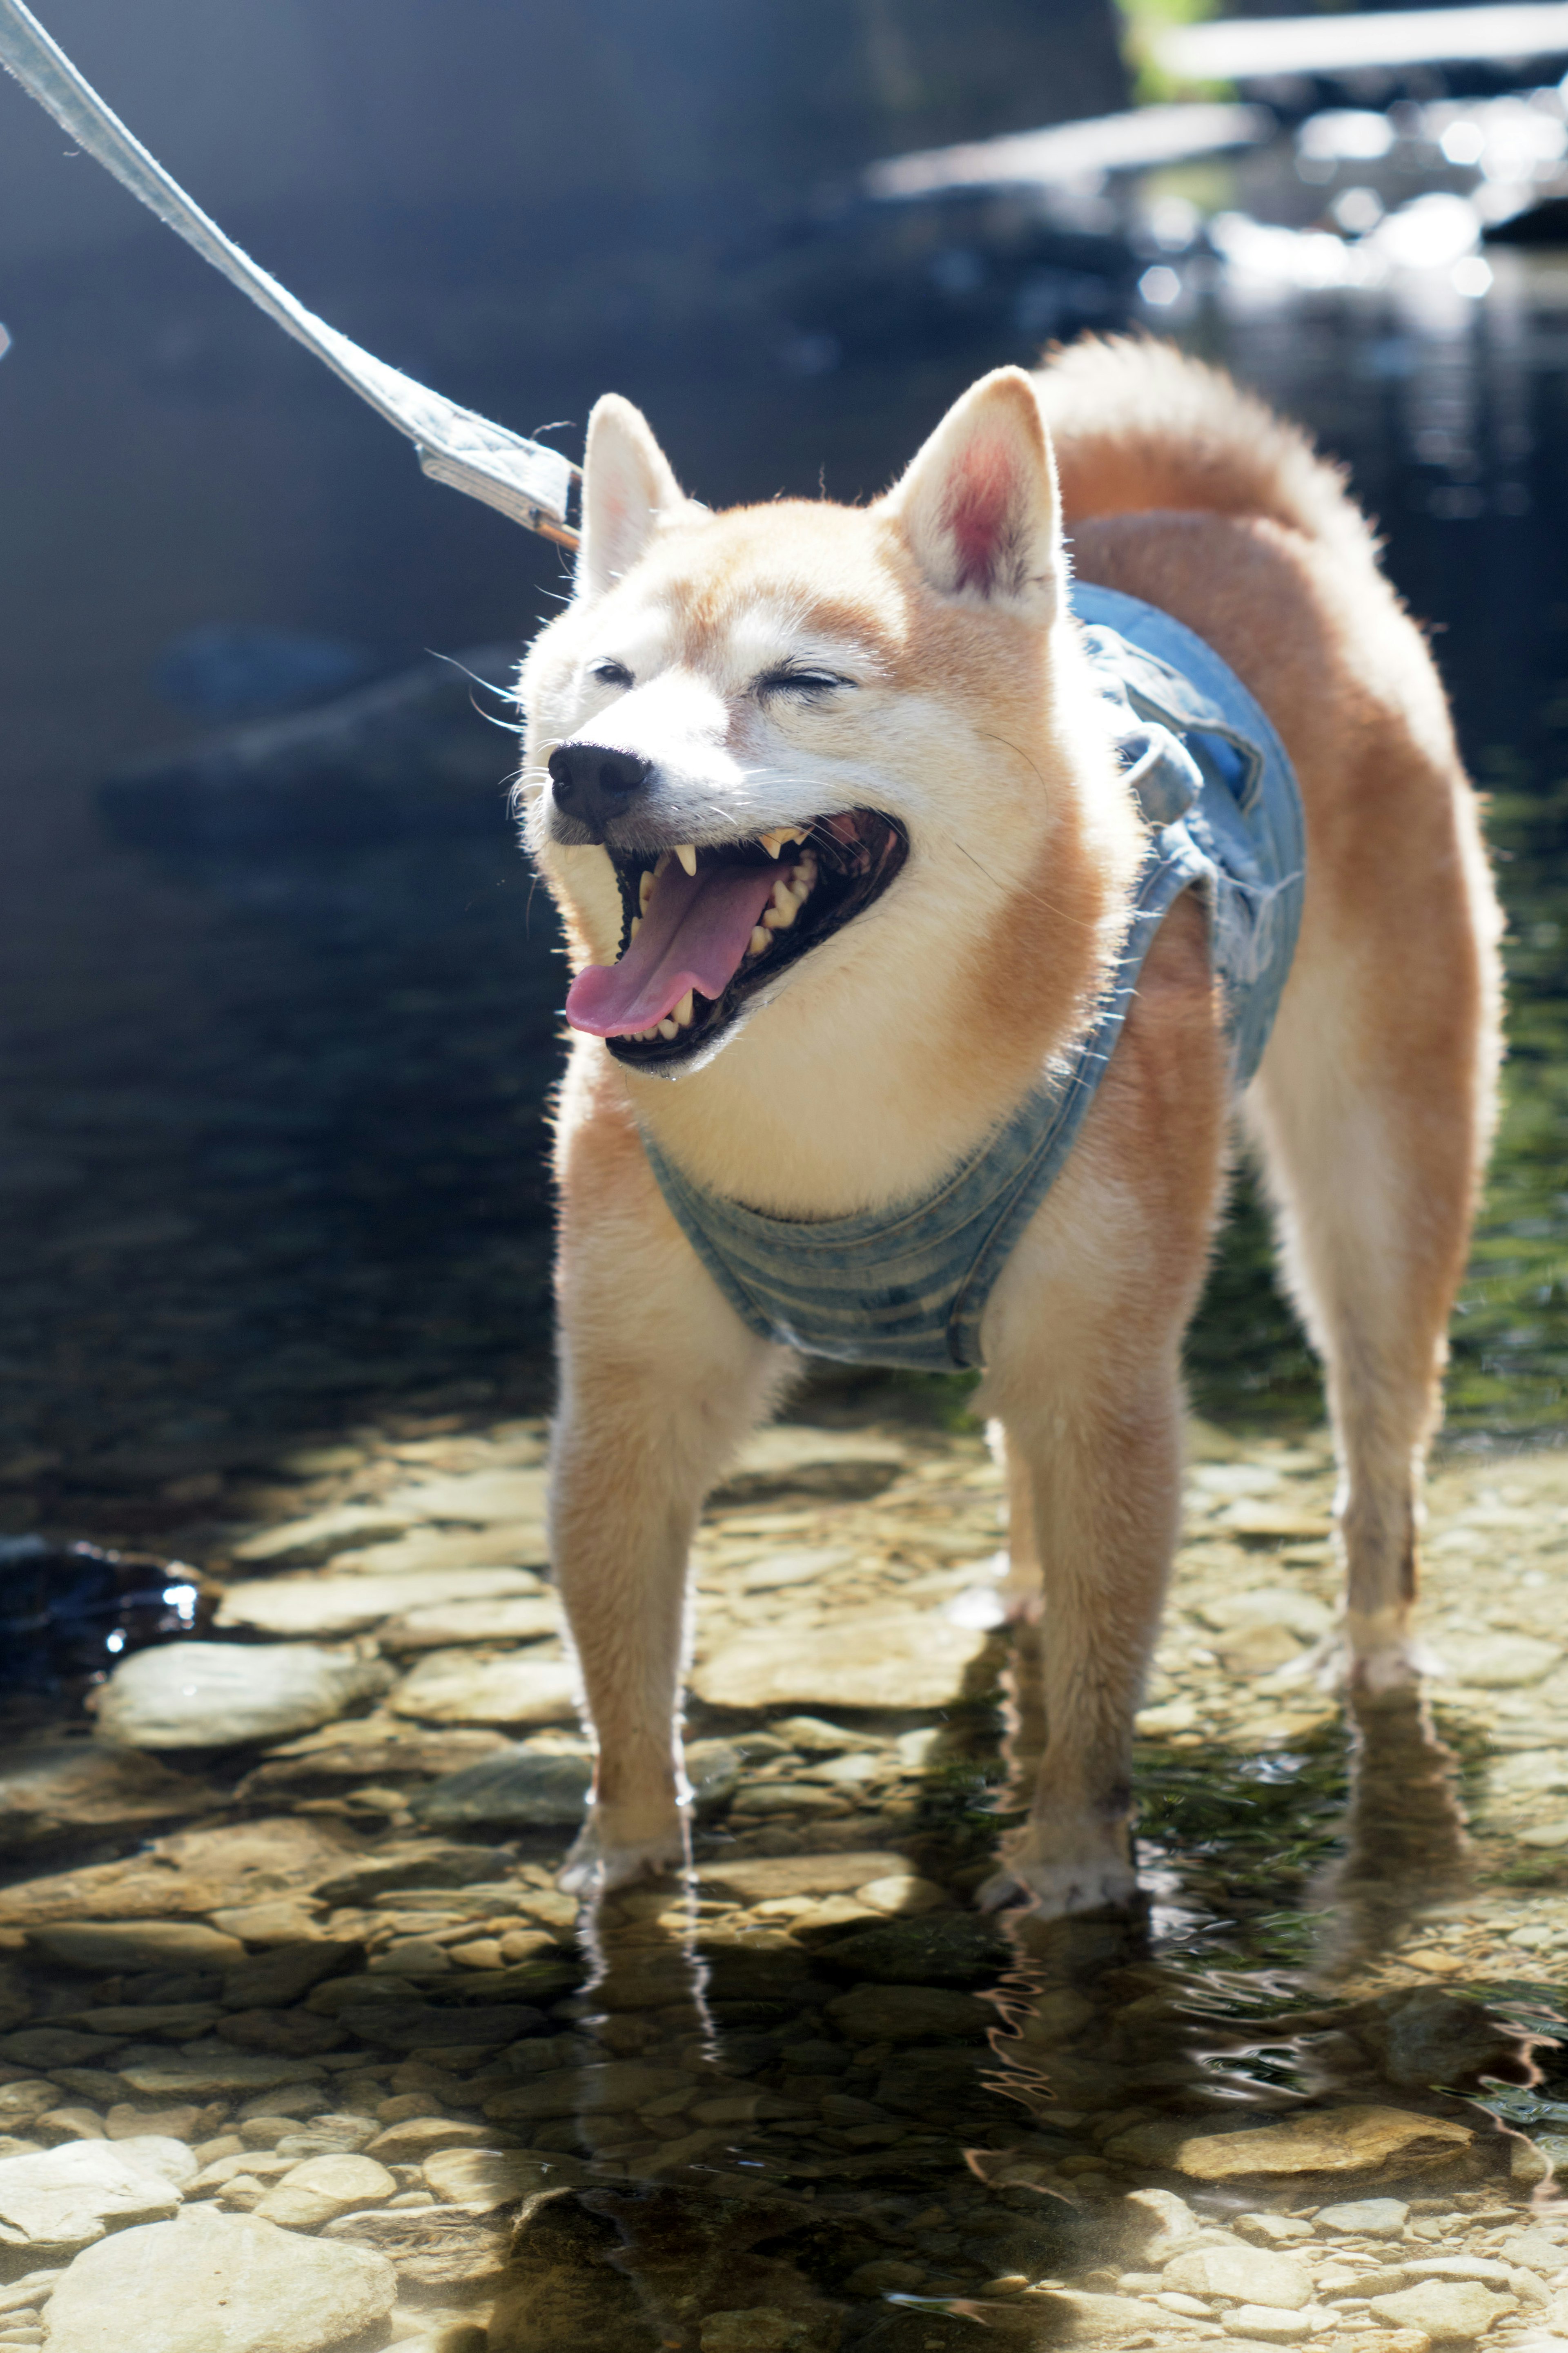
x: 1319, y: 2140
x: 520, y: 1787
x: 61, y: 2200
x: 1245, y: 2274
x: 108, y: 1947
x: 222, y: 1694
x: 854, y: 1658
x: 70, y: 1788
x: 475, y: 1498
x: 213, y: 2283
x: 323, y: 1532
x: 484, y: 2178
x: 420, y: 1550
x: 501, y: 1619
x: 453, y: 1687
x: 1502, y: 1662
x: 353, y: 1605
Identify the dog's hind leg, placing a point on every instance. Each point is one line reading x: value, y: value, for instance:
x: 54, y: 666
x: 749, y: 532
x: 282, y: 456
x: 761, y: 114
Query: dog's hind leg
x: 1374, y: 1110
x: 659, y: 1383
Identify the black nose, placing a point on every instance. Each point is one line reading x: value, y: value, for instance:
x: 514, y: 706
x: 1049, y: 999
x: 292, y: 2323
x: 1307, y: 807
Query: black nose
x: 593, y: 783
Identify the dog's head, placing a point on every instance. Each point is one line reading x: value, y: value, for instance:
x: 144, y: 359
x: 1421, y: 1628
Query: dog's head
x: 749, y: 729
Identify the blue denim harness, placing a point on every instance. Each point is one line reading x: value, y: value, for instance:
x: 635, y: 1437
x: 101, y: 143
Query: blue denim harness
x: 907, y: 1285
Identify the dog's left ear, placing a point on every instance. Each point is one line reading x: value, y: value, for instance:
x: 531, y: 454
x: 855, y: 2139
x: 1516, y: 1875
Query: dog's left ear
x: 979, y: 505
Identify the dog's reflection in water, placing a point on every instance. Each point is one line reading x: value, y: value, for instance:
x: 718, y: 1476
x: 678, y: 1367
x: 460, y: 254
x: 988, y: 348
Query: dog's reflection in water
x: 723, y: 2204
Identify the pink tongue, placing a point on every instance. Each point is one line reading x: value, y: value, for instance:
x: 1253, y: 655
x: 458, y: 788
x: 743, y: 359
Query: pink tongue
x: 694, y: 935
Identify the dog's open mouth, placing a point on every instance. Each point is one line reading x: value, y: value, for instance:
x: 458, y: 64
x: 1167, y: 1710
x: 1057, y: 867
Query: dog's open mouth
x: 704, y: 927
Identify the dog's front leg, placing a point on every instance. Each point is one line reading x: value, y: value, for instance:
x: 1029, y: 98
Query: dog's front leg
x: 660, y: 1381
x: 1105, y: 1469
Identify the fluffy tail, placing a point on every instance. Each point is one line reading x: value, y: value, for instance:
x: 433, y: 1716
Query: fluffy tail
x: 1138, y: 425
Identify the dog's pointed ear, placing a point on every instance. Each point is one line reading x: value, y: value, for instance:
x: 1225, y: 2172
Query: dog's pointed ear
x: 979, y: 507
x: 628, y: 491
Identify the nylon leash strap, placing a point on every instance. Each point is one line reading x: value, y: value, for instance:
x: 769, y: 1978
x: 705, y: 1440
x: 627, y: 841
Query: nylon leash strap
x: 523, y: 479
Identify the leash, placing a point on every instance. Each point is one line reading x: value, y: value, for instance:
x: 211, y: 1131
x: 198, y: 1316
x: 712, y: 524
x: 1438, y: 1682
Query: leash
x: 523, y: 479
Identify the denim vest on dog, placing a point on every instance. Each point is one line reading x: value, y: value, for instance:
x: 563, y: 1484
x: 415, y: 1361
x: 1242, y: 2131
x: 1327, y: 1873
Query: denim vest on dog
x: 907, y: 1285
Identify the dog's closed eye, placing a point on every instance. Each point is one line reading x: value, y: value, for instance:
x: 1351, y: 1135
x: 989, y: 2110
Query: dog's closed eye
x: 798, y: 681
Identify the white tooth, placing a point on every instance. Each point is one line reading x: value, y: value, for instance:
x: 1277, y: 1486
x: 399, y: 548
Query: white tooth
x: 685, y: 1010
x: 636, y: 926
x: 773, y: 842
x: 779, y: 919
x: 757, y: 941
x: 667, y: 1030
x: 687, y: 853
x: 645, y: 890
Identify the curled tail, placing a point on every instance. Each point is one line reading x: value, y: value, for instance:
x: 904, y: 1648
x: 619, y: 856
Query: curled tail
x: 1138, y: 425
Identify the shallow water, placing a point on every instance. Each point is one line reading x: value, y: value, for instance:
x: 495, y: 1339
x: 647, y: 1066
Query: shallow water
x: 276, y: 1286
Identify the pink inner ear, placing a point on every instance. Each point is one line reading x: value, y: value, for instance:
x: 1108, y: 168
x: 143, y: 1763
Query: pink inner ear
x: 980, y: 514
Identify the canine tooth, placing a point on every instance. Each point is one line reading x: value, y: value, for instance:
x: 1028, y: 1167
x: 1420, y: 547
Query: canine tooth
x: 666, y: 1029
x: 757, y: 941
x: 685, y: 1011
x: 773, y: 842
x: 645, y: 890
x: 687, y: 853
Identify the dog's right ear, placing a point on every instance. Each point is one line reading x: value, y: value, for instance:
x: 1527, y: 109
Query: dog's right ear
x: 628, y: 491
x: 979, y: 507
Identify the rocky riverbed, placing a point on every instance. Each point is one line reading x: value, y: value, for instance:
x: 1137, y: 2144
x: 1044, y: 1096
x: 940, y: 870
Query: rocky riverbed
x: 302, y: 2050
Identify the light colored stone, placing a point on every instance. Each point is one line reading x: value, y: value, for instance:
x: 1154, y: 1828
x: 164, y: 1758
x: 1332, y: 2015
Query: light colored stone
x: 1274, y: 2229
x: 1076, y: 2317
x: 64, y: 2198
x: 797, y: 1565
x: 520, y: 1787
x: 313, y: 2192
x: 212, y: 2283
x: 1528, y: 1773
x: 432, y: 2246
x: 505, y: 1619
x: 881, y: 1657
x: 1301, y: 1614
x: 327, y: 1606
x: 1267, y: 2324
x: 1155, y: 2224
x: 1248, y: 2275
x: 484, y: 2178
x: 1316, y: 2140
x: 419, y: 1551
x: 456, y: 1687
x: 410, y: 2139
x: 221, y: 1695
x: 903, y: 1896
x: 1450, y: 2312
x: 108, y: 1947
x: 475, y: 1498
x: 1502, y: 1662
x: 1364, y: 2217
x: 753, y: 1880
x: 1533, y: 2251
x: 318, y: 1534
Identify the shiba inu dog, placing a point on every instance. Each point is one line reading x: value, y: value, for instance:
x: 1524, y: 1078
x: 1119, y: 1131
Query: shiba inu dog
x: 828, y: 802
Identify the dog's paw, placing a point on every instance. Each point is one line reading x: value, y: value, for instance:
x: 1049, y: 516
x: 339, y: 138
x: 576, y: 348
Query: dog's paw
x: 1056, y: 1891
x: 599, y: 1862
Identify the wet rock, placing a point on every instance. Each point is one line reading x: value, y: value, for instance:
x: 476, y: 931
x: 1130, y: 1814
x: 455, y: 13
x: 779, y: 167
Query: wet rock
x: 23, y: 2099
x: 477, y: 1498
x: 520, y: 1787
x: 411, y: 2139
x: 1280, y: 2231
x: 908, y: 2013
x: 565, y: 2293
x: 956, y: 1951
x: 49, y: 2046
x: 220, y: 1696
x: 212, y: 2283
x: 189, y: 1873
x: 1154, y: 2224
x: 756, y: 1880
x: 1364, y: 2217
x: 213, y: 2072
x: 322, y: 2187
x: 323, y: 1532
x: 77, y: 1789
x: 64, y: 2198
x: 610, y: 2084
x: 1263, y: 2324
x: 1504, y: 1662
x: 268, y: 1980
x: 432, y: 2246
x: 1420, y: 2035
x: 1247, y: 2275
x: 1075, y: 2317
x: 334, y: 1606
x: 878, y: 1658
x: 414, y: 1863
x: 1449, y: 2311
x: 107, y: 1948
x: 1319, y: 2140
x: 484, y: 2178
x: 761, y: 2329
x: 456, y: 1687
x: 421, y: 2026
x: 290, y: 2034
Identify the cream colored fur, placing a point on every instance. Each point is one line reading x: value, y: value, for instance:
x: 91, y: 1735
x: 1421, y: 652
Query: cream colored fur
x: 887, y: 1052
